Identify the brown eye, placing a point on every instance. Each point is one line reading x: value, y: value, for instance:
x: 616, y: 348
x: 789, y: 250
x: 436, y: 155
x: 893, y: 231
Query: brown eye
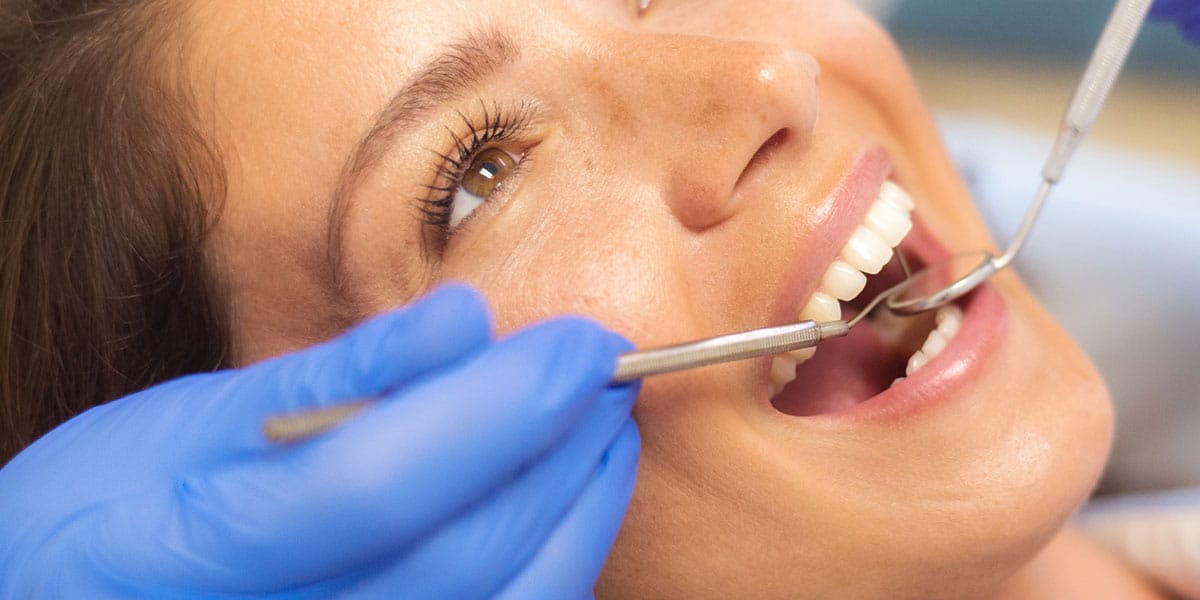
x: 487, y: 170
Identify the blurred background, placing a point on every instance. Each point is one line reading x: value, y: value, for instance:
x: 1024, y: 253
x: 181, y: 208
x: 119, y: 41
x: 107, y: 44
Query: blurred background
x: 1116, y: 253
x: 1019, y: 60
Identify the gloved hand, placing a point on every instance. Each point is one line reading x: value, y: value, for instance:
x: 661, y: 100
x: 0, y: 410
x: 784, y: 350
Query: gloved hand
x: 1186, y: 13
x: 1157, y: 532
x: 489, y: 469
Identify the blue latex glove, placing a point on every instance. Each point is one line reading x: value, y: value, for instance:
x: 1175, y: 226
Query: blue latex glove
x: 1186, y: 13
x: 490, y: 469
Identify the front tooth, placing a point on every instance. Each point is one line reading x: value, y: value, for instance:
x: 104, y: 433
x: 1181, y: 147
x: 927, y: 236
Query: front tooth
x: 866, y: 251
x: 917, y: 361
x: 891, y: 222
x: 894, y: 194
x: 934, y: 344
x: 821, y: 308
x: 843, y: 281
x: 783, y: 370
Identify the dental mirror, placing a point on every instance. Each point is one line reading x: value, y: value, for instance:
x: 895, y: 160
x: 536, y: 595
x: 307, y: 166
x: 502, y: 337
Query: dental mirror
x: 946, y: 281
x: 942, y: 283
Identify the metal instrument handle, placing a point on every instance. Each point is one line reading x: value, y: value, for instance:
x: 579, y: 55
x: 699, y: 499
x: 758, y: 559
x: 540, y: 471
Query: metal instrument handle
x: 630, y: 366
x: 1105, y: 65
x: 725, y: 348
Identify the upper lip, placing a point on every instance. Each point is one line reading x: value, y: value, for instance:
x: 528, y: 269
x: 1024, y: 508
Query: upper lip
x: 977, y: 338
x: 844, y: 207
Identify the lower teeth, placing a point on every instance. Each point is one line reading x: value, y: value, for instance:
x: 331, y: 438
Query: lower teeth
x: 949, y: 319
x: 901, y: 334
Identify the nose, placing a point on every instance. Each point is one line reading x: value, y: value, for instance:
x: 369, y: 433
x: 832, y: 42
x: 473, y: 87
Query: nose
x: 708, y: 112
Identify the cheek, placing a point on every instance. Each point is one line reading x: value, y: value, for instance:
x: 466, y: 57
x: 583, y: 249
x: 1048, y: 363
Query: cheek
x: 1074, y: 414
x: 548, y: 255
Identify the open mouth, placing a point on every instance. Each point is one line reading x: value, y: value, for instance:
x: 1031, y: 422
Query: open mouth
x: 881, y: 351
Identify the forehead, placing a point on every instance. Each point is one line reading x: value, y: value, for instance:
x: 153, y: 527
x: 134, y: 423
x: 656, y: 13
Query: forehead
x: 296, y: 63
x: 286, y: 84
x: 284, y: 90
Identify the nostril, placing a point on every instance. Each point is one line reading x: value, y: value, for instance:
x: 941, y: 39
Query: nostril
x: 763, y: 155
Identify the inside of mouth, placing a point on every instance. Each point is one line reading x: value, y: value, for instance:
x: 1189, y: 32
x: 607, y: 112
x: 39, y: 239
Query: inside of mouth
x: 849, y: 370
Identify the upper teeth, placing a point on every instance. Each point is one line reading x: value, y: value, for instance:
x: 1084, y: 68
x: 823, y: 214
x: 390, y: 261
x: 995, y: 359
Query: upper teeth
x: 867, y: 251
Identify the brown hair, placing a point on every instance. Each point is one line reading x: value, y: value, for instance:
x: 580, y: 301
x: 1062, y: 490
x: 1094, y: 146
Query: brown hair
x: 106, y: 192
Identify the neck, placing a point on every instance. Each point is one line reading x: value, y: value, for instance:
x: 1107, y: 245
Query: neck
x: 1072, y: 567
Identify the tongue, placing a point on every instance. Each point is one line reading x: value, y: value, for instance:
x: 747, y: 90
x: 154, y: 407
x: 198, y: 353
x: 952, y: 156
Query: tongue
x: 844, y: 372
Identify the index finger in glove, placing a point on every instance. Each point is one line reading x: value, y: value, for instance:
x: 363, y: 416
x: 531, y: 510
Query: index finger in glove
x: 370, y: 360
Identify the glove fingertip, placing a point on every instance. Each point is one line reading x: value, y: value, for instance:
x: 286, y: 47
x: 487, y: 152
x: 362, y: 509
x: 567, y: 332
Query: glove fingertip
x: 587, y: 341
x: 392, y: 348
x: 618, y: 343
x: 448, y: 318
x: 562, y: 345
x: 443, y: 325
x: 459, y: 304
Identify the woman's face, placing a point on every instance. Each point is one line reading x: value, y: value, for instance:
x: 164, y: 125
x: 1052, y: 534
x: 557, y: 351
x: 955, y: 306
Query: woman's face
x: 686, y: 172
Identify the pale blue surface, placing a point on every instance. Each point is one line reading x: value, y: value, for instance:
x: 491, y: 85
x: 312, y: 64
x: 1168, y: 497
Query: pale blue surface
x: 1116, y: 258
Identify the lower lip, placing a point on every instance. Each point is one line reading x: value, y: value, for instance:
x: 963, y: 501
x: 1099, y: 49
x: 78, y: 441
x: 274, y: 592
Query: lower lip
x: 940, y: 380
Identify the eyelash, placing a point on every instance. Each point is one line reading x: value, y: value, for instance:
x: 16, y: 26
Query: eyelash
x: 496, y: 125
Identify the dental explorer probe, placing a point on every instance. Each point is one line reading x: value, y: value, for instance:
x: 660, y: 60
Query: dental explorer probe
x: 632, y: 365
x: 963, y: 273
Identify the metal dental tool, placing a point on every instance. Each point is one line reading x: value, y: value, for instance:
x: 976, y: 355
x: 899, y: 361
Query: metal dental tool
x: 631, y: 365
x: 946, y: 281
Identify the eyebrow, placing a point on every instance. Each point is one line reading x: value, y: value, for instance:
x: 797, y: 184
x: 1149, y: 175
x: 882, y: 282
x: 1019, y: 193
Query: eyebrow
x: 448, y: 76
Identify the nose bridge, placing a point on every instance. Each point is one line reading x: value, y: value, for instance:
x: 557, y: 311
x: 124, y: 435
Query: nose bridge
x: 702, y: 108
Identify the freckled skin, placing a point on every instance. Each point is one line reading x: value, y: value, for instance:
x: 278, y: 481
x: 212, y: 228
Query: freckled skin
x: 637, y: 208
